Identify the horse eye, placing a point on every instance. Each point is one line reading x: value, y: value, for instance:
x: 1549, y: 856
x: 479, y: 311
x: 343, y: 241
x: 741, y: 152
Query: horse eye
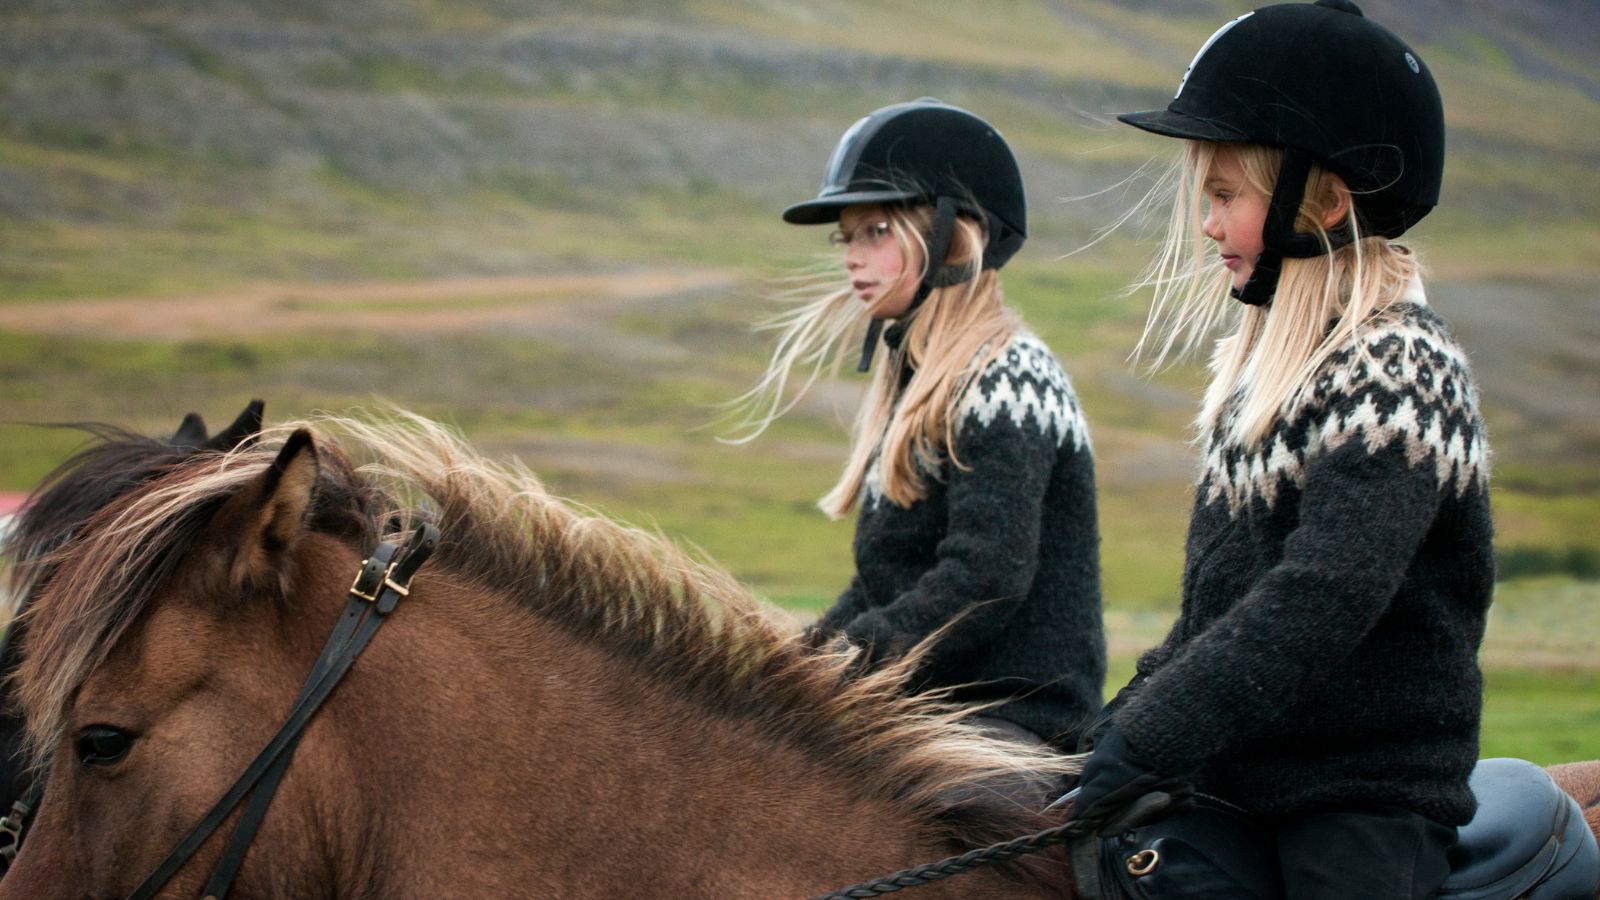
x: 102, y: 745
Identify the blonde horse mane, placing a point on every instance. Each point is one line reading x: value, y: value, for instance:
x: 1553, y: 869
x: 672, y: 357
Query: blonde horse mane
x: 623, y: 589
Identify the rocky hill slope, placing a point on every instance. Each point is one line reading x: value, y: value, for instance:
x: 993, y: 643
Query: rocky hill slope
x: 137, y: 113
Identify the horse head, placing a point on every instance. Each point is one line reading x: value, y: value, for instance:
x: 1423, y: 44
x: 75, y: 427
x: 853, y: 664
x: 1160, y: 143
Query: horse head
x: 176, y: 606
x: 54, y: 512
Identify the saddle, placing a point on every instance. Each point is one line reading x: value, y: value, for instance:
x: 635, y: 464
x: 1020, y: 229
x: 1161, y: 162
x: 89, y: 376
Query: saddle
x: 1528, y: 840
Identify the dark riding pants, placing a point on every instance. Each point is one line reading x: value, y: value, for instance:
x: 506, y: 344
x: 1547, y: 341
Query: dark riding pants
x: 1377, y: 853
x: 1214, y: 851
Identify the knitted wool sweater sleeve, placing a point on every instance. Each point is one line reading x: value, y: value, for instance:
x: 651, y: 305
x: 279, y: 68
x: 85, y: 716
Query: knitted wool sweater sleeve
x: 1012, y: 421
x: 852, y: 602
x: 1380, y: 443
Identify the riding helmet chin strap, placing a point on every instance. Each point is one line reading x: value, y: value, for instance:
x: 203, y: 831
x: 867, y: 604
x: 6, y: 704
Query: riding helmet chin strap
x: 1278, y: 237
x: 944, y: 224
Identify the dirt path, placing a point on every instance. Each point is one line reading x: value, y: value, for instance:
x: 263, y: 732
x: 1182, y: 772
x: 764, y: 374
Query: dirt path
x: 446, y: 304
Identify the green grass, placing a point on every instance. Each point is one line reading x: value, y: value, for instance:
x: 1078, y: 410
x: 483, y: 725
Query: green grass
x: 532, y: 396
x: 1548, y: 716
x: 1013, y: 35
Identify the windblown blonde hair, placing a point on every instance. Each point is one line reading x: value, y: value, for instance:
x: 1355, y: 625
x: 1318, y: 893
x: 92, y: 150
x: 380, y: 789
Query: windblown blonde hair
x: 1268, y: 361
x: 949, y: 339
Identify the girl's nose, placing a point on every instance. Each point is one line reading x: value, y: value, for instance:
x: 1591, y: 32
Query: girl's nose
x: 1211, y: 225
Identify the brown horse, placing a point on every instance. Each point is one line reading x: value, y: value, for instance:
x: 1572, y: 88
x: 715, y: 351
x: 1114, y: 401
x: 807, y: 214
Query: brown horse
x: 561, y: 706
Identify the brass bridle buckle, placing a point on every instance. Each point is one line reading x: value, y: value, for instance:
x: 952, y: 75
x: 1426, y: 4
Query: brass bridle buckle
x: 385, y: 577
x: 374, y: 574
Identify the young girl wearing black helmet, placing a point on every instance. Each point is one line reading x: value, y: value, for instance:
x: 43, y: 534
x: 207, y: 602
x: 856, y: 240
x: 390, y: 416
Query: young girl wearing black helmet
x: 1322, y: 673
x: 970, y: 463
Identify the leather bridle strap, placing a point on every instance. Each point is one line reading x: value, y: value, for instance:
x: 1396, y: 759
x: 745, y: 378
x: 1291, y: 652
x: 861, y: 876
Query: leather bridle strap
x: 15, y: 822
x: 383, y: 580
x: 244, y: 831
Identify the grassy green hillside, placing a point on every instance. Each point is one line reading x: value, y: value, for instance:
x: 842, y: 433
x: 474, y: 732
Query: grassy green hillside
x: 554, y: 225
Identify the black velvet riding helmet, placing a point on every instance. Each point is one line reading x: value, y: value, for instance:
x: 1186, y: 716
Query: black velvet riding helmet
x: 926, y: 151
x: 918, y: 152
x: 1327, y: 85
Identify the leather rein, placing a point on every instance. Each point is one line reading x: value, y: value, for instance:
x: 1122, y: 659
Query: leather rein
x: 383, y: 581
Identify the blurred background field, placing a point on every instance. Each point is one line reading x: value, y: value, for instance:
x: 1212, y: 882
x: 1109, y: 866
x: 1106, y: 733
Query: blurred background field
x: 553, y: 225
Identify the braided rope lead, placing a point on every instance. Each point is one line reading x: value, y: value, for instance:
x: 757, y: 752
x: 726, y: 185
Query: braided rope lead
x: 957, y: 865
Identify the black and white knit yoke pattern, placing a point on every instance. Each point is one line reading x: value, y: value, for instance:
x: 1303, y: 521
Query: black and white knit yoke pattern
x: 1406, y: 381
x: 1027, y: 386
x: 1024, y: 387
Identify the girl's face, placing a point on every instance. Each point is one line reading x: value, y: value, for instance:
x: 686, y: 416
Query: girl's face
x: 1234, y: 216
x: 881, y: 273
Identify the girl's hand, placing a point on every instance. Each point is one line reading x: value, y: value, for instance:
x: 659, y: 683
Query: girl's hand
x: 878, y: 639
x: 816, y: 636
x: 1119, y: 791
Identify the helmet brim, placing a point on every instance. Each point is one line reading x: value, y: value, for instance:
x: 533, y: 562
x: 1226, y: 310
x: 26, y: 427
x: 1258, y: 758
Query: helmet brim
x: 824, y: 210
x: 1169, y: 123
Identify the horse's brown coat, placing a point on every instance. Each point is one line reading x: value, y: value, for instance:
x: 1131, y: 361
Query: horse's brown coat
x: 1582, y: 781
x: 562, y: 707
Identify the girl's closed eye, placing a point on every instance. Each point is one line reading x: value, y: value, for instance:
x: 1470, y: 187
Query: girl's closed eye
x: 1220, y: 192
x: 868, y: 235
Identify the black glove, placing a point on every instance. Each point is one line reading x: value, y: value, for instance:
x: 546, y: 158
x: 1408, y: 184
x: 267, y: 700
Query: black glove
x: 1118, y: 791
x: 878, y: 639
x: 817, y: 635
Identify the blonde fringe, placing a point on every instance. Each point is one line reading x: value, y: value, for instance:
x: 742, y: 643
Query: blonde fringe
x: 59, y: 658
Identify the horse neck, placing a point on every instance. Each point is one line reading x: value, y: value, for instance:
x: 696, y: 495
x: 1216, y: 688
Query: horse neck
x: 565, y: 762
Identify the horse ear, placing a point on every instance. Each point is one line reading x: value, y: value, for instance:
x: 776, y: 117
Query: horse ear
x: 242, y: 433
x: 270, y: 515
x: 191, y: 431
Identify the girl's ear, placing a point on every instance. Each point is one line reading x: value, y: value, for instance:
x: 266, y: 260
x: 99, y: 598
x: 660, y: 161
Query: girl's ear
x: 1336, y: 205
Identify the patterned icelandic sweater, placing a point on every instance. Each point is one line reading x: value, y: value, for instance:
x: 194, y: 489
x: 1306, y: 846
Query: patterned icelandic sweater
x: 1011, y: 540
x: 1335, y: 589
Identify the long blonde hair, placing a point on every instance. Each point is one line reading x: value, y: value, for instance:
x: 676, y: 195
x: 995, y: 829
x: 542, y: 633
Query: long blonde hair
x: 1269, y: 360
x: 947, y: 341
